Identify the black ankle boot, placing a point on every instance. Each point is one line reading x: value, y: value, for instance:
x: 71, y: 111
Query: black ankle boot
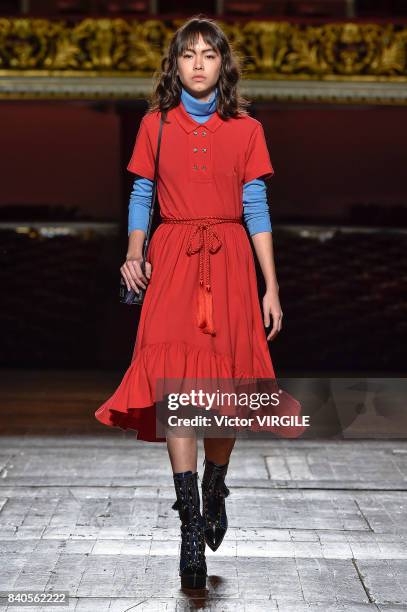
x: 192, y: 568
x: 214, y: 492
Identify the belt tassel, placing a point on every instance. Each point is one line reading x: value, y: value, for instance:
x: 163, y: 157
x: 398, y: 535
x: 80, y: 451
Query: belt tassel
x: 205, y: 241
x: 205, y: 310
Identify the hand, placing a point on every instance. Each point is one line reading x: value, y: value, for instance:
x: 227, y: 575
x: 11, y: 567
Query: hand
x: 271, y: 305
x: 133, y: 275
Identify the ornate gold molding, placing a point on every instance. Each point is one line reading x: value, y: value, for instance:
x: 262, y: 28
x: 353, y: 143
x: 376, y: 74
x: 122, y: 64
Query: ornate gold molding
x: 269, y: 49
x: 341, y: 62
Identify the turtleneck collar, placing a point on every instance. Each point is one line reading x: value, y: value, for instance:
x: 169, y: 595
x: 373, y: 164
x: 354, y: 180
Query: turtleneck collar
x: 195, y: 107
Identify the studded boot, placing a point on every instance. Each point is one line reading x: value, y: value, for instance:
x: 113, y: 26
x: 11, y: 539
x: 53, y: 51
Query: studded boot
x: 214, y: 492
x: 192, y: 567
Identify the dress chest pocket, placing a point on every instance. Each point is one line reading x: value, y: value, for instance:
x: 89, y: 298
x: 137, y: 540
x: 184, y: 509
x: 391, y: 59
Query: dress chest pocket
x: 232, y: 172
x: 228, y: 174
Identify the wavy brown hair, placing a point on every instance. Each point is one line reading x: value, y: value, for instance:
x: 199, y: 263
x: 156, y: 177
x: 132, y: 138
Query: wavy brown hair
x: 168, y: 87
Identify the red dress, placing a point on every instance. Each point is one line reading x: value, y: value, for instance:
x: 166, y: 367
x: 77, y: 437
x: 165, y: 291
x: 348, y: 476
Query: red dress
x: 201, y: 315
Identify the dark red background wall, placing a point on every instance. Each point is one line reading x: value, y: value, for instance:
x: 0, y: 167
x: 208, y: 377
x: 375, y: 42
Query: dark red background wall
x: 325, y: 157
x: 64, y: 154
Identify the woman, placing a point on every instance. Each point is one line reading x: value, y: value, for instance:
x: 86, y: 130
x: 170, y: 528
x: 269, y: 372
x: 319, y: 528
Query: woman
x: 201, y: 316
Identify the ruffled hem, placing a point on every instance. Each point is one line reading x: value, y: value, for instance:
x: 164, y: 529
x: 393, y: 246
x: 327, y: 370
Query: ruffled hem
x: 133, y: 404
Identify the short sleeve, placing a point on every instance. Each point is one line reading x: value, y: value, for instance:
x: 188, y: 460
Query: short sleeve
x: 258, y: 162
x: 142, y: 160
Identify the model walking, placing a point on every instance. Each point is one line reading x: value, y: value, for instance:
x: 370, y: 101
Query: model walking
x: 201, y: 316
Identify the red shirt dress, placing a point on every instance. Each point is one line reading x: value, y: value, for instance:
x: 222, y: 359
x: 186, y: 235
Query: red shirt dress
x: 201, y: 315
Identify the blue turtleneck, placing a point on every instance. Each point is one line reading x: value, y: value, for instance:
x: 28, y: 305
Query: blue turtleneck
x: 255, y: 208
x: 199, y: 111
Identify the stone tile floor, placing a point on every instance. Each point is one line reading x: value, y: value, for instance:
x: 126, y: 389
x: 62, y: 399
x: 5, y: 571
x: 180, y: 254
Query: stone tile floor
x: 315, y: 525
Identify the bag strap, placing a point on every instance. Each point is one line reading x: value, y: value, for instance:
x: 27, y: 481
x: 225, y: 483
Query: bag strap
x: 153, y: 196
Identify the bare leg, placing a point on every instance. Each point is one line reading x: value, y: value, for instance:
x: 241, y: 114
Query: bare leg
x: 182, y: 451
x: 218, y: 450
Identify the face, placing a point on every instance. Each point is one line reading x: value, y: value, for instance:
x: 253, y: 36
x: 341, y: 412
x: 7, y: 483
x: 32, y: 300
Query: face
x: 199, y: 61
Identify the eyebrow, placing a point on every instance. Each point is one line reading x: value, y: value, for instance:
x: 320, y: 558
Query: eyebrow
x: 203, y: 50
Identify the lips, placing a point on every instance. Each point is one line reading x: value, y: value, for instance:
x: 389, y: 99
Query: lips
x: 200, y: 78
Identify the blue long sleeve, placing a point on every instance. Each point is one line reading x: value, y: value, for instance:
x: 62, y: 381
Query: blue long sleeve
x: 255, y: 208
x: 140, y: 204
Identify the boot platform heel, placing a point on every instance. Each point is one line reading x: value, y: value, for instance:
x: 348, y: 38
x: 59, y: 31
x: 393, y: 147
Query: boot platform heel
x: 192, y: 567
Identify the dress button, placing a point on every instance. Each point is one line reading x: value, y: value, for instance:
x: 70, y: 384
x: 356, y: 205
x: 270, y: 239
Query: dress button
x: 204, y: 150
x: 203, y: 167
x: 203, y: 133
x: 195, y: 167
x: 195, y: 149
x: 195, y: 133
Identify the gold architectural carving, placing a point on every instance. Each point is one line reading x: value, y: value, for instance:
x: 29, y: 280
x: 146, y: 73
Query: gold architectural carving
x: 347, y: 51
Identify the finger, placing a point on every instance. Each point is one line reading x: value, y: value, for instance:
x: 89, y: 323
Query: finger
x: 277, y: 320
x: 274, y: 330
x: 133, y: 284
x: 137, y: 267
x: 137, y: 278
x: 272, y: 333
x: 148, y: 269
x: 129, y: 279
x: 125, y: 279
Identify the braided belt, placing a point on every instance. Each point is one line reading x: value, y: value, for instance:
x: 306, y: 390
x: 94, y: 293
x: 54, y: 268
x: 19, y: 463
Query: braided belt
x: 205, y: 241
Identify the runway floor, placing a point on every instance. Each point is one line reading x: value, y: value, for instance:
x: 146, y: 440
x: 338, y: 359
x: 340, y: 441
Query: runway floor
x: 315, y: 525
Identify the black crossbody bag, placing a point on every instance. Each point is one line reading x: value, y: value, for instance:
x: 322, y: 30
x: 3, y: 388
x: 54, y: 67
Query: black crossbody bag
x: 130, y: 296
